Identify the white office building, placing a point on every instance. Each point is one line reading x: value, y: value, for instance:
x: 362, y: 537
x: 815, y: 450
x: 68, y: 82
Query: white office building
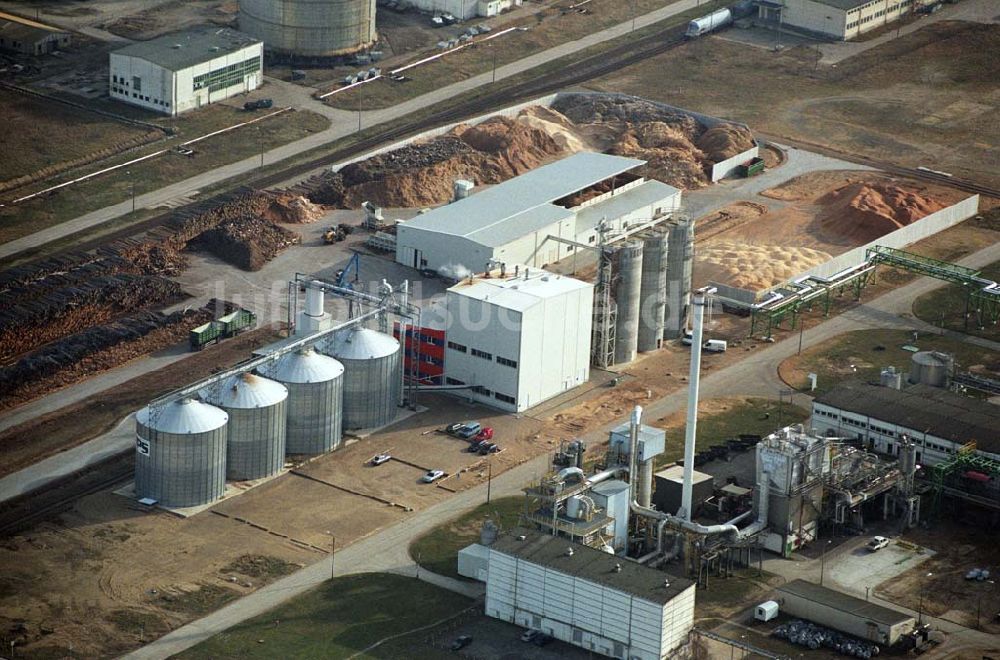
x: 518, y: 339
x: 522, y: 220
x: 588, y: 598
x: 939, y: 422
x: 186, y: 70
x: 840, y: 19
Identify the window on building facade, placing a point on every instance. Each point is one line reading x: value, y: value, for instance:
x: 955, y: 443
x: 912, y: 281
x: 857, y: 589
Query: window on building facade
x: 227, y: 76
x: 482, y: 354
x: 137, y: 83
x: 457, y: 347
x: 507, y: 363
x: 506, y: 399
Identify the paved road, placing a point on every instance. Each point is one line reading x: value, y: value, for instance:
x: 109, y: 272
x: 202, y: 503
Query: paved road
x: 386, y: 550
x: 343, y: 124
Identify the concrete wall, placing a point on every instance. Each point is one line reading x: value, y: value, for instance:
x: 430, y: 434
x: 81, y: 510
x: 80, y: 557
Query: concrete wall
x: 724, y: 168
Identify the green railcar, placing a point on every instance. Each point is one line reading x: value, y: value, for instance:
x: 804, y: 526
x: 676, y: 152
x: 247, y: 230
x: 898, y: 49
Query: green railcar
x: 204, y: 335
x: 237, y: 322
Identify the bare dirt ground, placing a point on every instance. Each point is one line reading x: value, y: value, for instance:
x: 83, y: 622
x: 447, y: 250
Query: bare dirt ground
x: 928, y: 98
x: 170, y: 16
x: 805, y: 221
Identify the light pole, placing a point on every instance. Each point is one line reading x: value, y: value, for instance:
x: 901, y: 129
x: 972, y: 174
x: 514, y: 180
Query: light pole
x: 489, y: 480
x: 333, y: 551
x: 822, y: 561
x: 260, y: 140
x: 920, y: 605
x: 131, y: 188
x: 493, y: 50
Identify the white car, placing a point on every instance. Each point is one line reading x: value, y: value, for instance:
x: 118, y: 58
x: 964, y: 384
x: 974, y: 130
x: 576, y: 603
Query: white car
x: 432, y: 476
x: 877, y: 543
x: 379, y: 459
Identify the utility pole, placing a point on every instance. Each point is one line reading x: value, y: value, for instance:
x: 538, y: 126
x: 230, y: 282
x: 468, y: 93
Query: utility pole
x: 333, y: 552
x: 802, y: 328
x: 131, y: 188
x: 494, y: 51
x: 260, y: 139
x: 489, y: 480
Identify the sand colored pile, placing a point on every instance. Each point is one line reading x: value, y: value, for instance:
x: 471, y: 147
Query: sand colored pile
x: 862, y: 212
x: 757, y: 267
x: 724, y: 141
x: 293, y: 209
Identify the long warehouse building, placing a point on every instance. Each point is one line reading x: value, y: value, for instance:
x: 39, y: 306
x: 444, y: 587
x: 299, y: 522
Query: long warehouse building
x: 520, y: 221
x: 588, y: 598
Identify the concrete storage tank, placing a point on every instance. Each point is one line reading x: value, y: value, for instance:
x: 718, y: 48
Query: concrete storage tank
x: 680, y: 261
x: 931, y: 368
x: 181, y: 453
x: 372, y: 376
x: 315, y: 385
x: 309, y: 28
x: 627, y: 296
x: 653, y: 292
x: 255, y: 444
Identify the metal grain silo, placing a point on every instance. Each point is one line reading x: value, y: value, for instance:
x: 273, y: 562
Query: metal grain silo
x: 627, y: 296
x: 372, y: 376
x: 680, y: 261
x: 181, y: 453
x: 315, y: 400
x: 653, y: 291
x: 309, y: 28
x: 931, y: 368
x: 255, y: 444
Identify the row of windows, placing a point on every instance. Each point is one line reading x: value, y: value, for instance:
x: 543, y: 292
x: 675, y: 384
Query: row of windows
x: 140, y: 97
x: 479, y: 389
x: 879, y: 429
x: 427, y: 339
x: 482, y: 354
x: 457, y: 347
x: 423, y: 357
x: 507, y: 363
x: 506, y: 399
x: 234, y: 74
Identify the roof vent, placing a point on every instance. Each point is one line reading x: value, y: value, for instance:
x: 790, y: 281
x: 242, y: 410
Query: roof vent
x: 522, y: 537
x: 666, y: 583
x: 618, y: 568
x: 569, y: 552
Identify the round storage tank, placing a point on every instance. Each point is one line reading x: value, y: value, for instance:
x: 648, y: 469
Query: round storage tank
x: 372, y: 376
x: 931, y: 368
x: 315, y: 400
x: 309, y: 28
x: 181, y: 453
x: 255, y: 444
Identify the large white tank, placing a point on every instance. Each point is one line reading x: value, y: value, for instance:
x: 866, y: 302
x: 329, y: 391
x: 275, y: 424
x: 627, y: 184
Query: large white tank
x: 255, y: 445
x: 315, y: 385
x: 372, y: 376
x: 309, y: 28
x: 181, y: 453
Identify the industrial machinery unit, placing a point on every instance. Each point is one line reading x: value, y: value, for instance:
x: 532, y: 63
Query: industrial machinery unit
x: 297, y: 29
x: 181, y: 453
x: 315, y: 385
x: 372, y: 376
x: 255, y: 442
x: 669, y: 485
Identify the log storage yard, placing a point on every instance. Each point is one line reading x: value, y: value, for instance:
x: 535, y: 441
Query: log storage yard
x: 500, y: 329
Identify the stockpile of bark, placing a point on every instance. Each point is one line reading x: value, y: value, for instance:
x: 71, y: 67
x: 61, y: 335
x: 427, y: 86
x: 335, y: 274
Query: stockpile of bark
x: 248, y: 242
x: 83, y: 354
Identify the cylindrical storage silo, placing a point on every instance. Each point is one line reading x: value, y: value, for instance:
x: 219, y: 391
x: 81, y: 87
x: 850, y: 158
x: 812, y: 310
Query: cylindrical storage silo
x: 315, y: 385
x: 372, y: 376
x: 931, y: 368
x: 255, y: 445
x: 680, y: 261
x: 309, y: 28
x: 627, y: 295
x: 653, y: 292
x: 181, y: 453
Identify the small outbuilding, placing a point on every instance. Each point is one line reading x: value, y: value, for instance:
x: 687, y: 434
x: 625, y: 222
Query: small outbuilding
x: 21, y: 35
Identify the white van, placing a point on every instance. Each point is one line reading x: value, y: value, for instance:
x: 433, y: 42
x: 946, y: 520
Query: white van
x: 714, y: 346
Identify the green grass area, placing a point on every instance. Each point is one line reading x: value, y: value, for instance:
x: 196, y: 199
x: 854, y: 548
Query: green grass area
x: 342, y: 617
x: 719, y: 419
x: 945, y: 308
x: 547, y: 29
x: 862, y: 354
x: 437, y: 550
x: 76, y: 200
x: 730, y: 595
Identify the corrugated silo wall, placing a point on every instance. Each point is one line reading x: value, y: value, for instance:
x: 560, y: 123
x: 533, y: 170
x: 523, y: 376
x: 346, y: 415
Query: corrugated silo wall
x: 371, y: 391
x: 310, y: 28
x: 181, y: 470
x: 680, y: 261
x: 255, y: 447
x: 315, y: 416
x: 627, y: 296
x: 654, y: 290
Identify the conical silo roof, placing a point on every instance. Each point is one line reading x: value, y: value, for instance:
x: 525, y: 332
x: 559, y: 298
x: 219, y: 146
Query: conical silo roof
x: 361, y: 344
x: 183, y: 416
x: 305, y: 366
x: 247, y: 391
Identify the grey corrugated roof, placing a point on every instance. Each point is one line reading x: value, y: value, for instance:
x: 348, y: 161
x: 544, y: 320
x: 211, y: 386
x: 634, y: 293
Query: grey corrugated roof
x: 845, y: 5
x: 922, y: 408
x: 845, y: 602
x: 645, y: 194
x: 592, y: 564
x: 516, y: 207
x: 196, y: 46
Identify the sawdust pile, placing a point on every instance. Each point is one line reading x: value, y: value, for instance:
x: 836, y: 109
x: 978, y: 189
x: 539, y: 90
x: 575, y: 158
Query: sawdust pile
x: 862, y: 212
x: 757, y: 267
x: 292, y: 209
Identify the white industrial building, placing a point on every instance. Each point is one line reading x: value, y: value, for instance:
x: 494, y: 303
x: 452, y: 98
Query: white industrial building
x: 185, y: 70
x: 518, y: 339
x: 840, y: 19
x: 528, y: 219
x: 465, y: 9
x: 587, y: 597
x: 939, y: 422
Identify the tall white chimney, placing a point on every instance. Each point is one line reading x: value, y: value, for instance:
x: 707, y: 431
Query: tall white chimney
x: 691, y: 428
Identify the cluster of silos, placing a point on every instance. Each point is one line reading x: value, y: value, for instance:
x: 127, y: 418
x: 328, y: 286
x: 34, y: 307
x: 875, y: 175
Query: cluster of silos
x: 680, y: 264
x: 315, y: 386
x: 372, y: 376
x: 309, y: 28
